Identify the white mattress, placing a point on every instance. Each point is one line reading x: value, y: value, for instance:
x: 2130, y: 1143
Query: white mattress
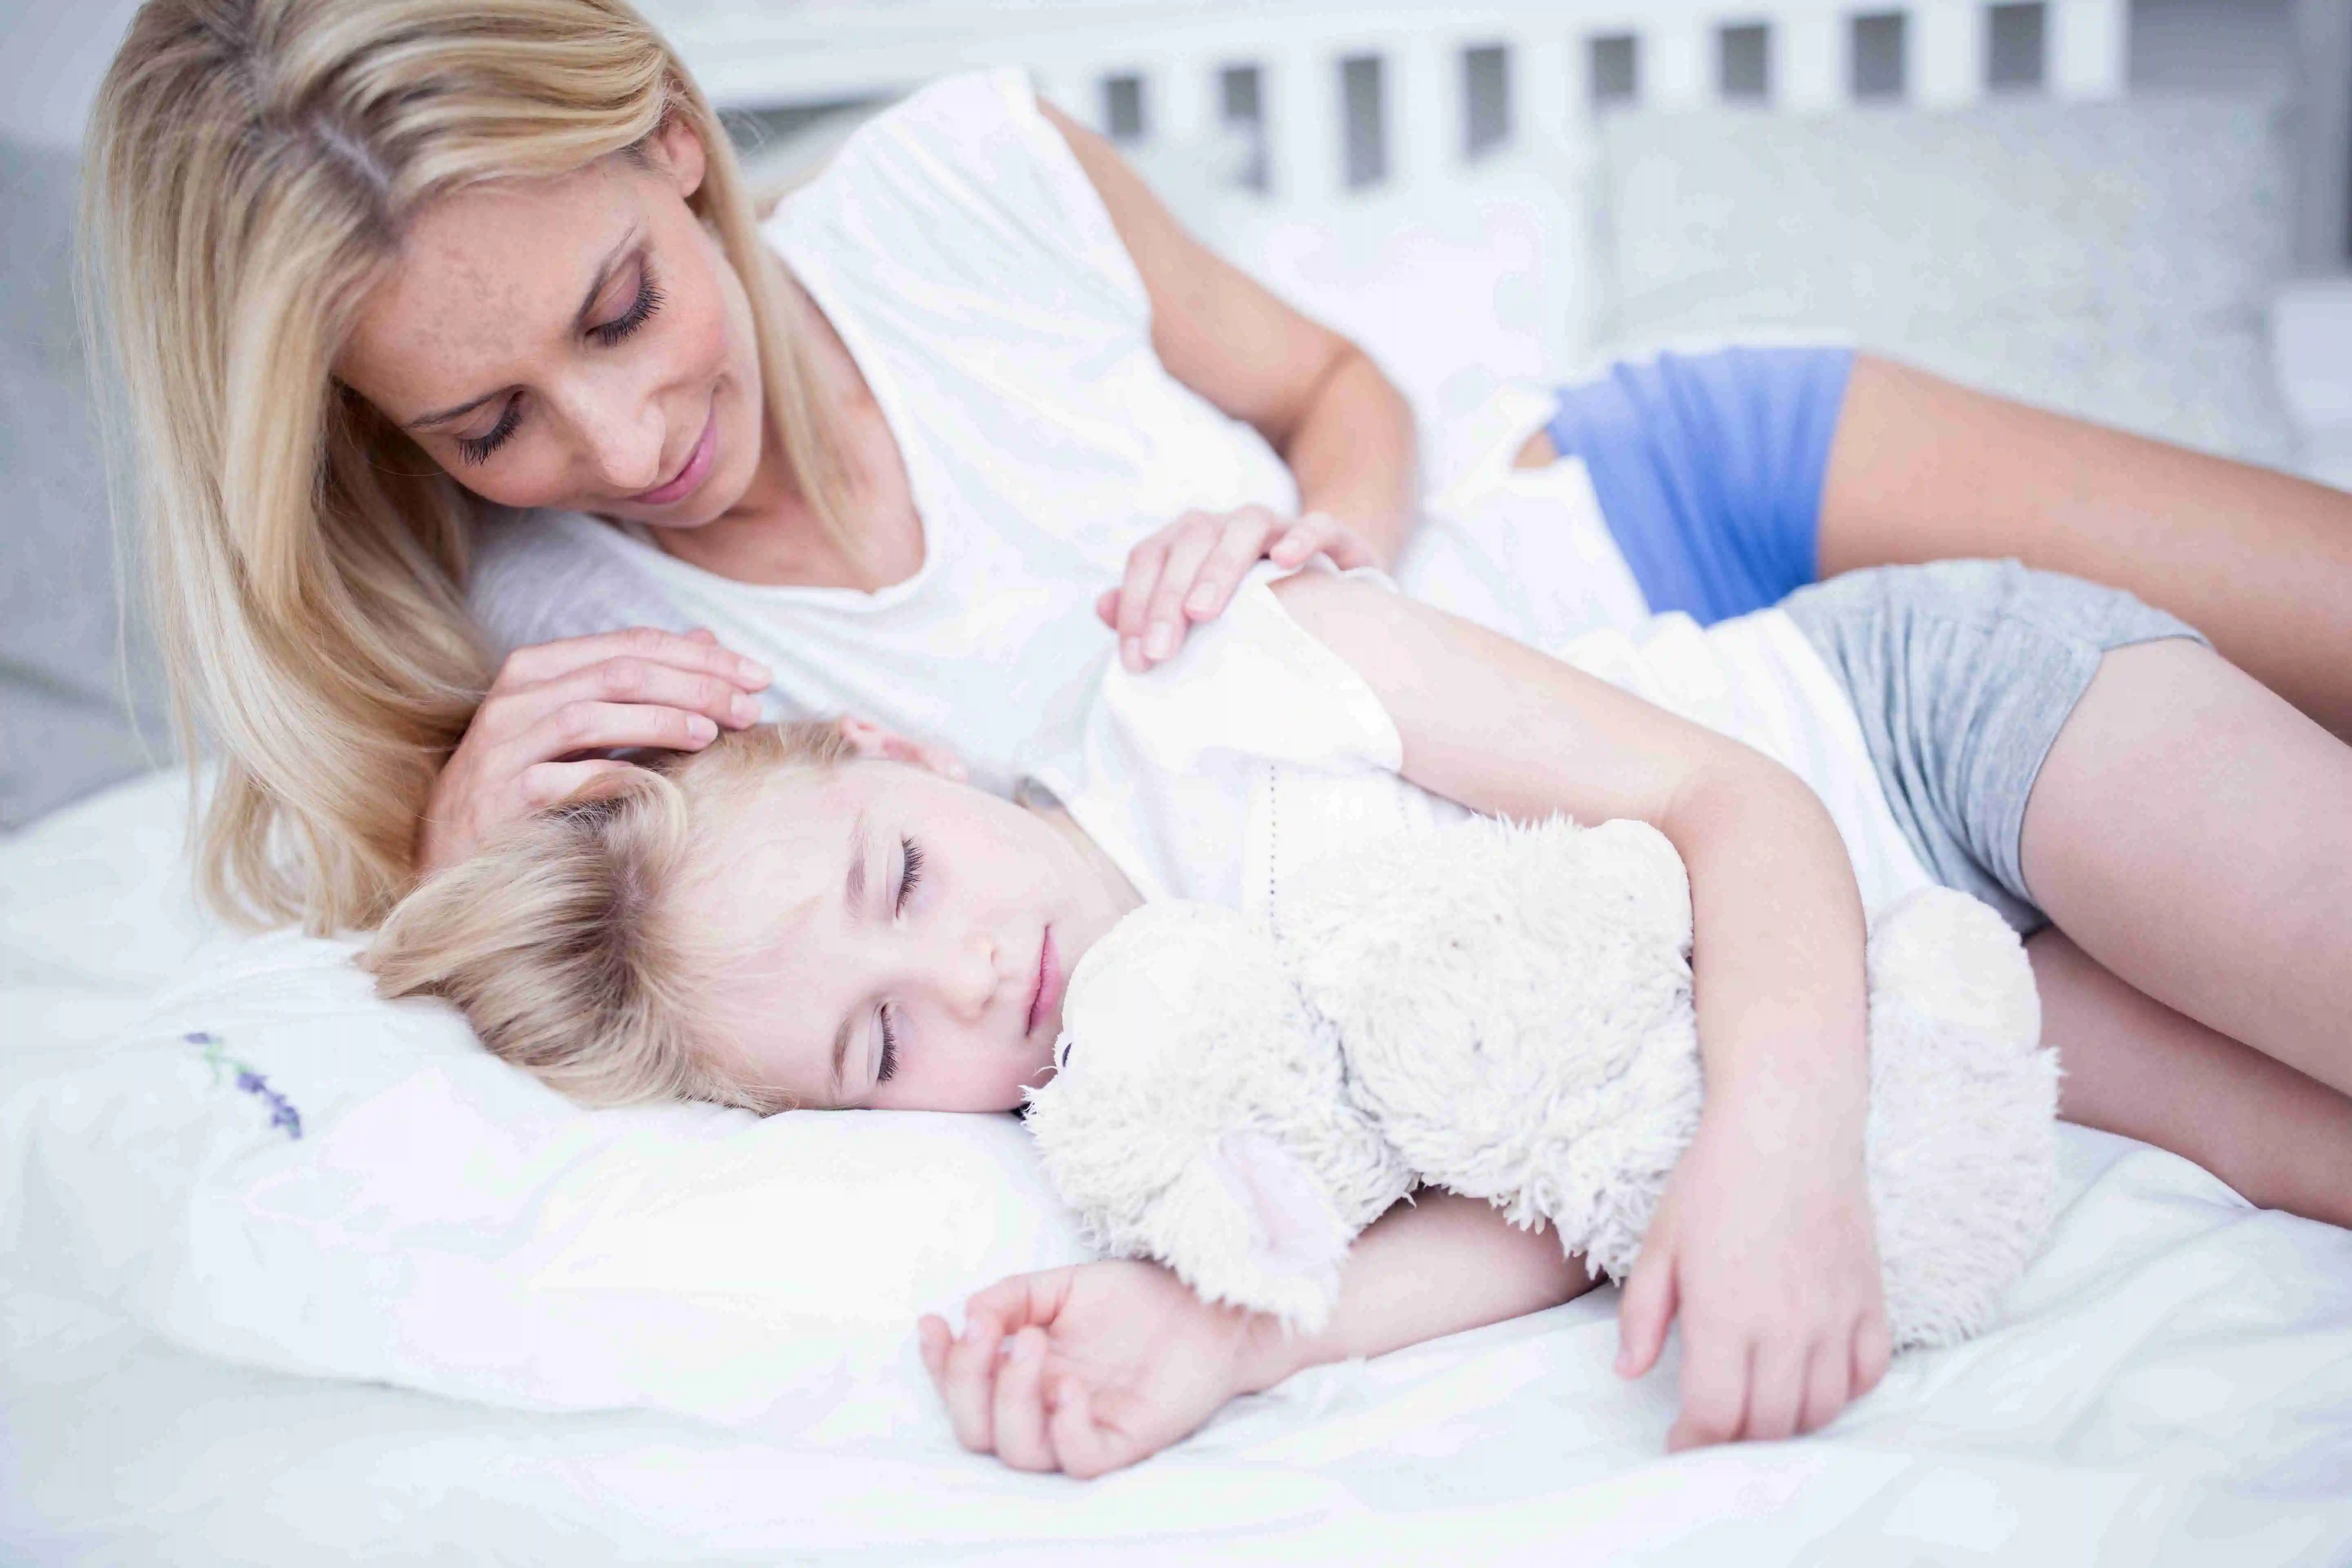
x: 2172, y: 1383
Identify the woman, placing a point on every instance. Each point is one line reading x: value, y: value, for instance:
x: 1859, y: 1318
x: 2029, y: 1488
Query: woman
x: 394, y: 280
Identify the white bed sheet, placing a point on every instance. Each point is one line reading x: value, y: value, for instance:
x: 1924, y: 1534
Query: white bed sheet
x: 2172, y: 1383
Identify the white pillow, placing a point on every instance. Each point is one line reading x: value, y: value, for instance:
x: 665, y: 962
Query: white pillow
x: 279, y: 1168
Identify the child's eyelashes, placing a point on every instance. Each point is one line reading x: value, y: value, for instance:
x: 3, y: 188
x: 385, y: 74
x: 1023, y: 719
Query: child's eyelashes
x: 889, y: 1048
x: 910, y: 869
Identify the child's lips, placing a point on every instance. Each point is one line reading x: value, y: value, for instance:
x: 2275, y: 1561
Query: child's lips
x: 1048, y: 995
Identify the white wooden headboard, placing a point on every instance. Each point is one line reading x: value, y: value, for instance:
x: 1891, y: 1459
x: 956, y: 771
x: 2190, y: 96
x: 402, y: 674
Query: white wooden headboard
x: 1389, y: 92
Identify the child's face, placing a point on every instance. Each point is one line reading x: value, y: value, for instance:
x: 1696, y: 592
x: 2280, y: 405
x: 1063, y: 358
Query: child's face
x: 908, y: 938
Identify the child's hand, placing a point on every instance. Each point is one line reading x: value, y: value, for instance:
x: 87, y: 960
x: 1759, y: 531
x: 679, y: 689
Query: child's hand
x: 1769, y: 1256
x: 1088, y: 1369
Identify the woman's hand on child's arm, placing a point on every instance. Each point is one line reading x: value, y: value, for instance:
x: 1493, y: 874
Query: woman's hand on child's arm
x: 1089, y: 1369
x: 1187, y: 572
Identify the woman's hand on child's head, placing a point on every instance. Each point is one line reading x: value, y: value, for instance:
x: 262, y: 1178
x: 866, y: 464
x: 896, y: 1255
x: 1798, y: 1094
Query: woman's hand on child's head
x: 1187, y: 572
x: 1089, y: 1369
x: 538, y: 734
x: 1770, y: 1260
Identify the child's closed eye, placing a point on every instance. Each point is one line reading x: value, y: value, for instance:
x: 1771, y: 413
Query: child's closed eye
x: 911, y: 871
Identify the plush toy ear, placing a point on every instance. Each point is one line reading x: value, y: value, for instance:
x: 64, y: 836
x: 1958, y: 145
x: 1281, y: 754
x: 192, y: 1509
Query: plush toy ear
x: 1244, y: 1223
x: 1298, y: 1231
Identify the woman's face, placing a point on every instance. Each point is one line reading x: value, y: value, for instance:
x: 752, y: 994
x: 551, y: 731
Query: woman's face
x: 580, y: 344
x: 897, y: 940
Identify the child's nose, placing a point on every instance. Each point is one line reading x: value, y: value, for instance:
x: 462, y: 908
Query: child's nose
x: 971, y: 975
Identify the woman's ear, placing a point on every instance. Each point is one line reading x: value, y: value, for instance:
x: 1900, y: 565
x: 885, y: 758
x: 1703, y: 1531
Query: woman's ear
x: 683, y: 156
x: 874, y: 741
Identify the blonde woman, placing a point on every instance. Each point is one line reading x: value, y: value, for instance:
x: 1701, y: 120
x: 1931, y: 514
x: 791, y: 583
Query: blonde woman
x: 446, y: 330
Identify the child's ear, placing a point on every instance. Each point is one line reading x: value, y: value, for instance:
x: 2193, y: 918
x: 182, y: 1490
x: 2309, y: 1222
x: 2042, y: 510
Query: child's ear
x: 874, y: 741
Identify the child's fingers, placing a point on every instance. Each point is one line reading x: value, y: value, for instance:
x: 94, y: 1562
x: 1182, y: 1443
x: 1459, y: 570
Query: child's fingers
x: 1019, y: 1418
x: 1827, y: 1380
x: 1714, y: 1393
x: 1874, y: 1347
x: 1646, y: 1310
x: 1084, y: 1449
x: 1776, y: 1392
x: 932, y: 1338
x: 1107, y: 607
x: 970, y: 1390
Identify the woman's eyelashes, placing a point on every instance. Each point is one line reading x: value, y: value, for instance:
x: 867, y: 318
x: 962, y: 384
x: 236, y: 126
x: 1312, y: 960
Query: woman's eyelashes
x: 641, y: 309
x: 478, y: 449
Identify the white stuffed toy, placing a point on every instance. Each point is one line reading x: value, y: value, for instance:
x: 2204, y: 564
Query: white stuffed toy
x: 1505, y: 1011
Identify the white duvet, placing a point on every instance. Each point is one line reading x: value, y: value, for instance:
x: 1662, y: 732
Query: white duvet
x: 2172, y: 1381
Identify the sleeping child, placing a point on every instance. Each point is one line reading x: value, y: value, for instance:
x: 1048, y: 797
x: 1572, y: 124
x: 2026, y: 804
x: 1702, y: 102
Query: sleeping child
x: 790, y: 919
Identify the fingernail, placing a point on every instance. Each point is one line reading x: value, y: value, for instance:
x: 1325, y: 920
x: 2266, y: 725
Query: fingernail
x: 754, y: 672
x: 1202, y: 598
x: 700, y: 728
x: 745, y: 710
x: 1161, y: 641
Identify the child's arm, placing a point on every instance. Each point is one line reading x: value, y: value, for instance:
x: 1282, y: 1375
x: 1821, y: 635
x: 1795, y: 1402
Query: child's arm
x: 1763, y: 1243
x: 1085, y: 1370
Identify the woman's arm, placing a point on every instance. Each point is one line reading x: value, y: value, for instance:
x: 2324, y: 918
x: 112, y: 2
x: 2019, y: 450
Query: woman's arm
x: 1764, y: 1243
x: 1318, y: 400
x: 1088, y: 1369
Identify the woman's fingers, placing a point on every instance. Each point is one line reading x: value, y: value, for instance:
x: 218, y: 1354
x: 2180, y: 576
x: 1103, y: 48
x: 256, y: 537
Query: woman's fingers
x: 1213, y: 586
x: 583, y: 726
x: 701, y: 654
x: 622, y: 679
x: 1143, y: 565
x: 1018, y: 1416
x: 1163, y: 621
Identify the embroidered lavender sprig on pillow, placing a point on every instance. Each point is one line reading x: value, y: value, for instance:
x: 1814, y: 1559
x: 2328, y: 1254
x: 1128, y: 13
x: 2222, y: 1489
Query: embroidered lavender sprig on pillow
x: 281, y: 1109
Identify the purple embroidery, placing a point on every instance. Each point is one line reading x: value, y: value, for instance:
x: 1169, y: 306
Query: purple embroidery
x: 281, y: 1110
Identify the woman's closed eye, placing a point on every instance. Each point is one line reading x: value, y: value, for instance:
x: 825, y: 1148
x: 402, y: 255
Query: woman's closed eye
x: 478, y: 449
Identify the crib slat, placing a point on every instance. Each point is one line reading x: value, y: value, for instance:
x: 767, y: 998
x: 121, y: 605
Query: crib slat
x: 1948, y: 49
x: 2087, y: 45
x: 1677, y: 63
x: 1809, y: 61
x: 1303, y: 107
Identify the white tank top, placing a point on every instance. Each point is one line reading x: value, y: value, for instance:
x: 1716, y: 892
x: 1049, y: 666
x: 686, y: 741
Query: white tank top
x: 969, y: 265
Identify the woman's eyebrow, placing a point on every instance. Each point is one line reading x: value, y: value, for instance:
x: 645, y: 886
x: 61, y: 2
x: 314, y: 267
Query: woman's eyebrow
x: 579, y: 323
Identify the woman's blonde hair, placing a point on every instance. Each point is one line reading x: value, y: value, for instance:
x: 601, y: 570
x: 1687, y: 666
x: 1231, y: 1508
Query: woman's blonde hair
x: 562, y: 941
x: 251, y: 168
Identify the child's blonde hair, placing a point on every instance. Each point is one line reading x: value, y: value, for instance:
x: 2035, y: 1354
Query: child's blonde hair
x: 561, y: 942
x: 252, y: 165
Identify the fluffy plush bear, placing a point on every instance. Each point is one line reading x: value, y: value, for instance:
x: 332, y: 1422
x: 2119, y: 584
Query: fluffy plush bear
x: 1505, y: 1011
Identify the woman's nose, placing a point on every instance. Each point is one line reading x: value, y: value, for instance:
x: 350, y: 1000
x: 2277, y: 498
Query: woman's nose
x: 622, y: 433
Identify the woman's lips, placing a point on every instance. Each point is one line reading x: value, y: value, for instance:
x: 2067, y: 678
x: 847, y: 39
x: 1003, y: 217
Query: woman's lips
x: 1048, y: 995
x: 689, y: 478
